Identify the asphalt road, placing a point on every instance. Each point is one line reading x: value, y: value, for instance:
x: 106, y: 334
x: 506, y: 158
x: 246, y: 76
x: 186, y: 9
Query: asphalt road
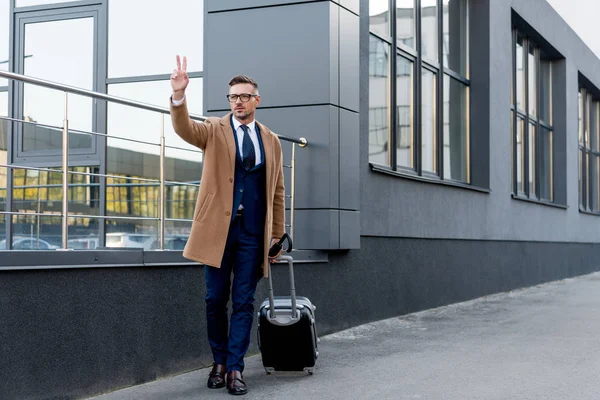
x: 536, y: 343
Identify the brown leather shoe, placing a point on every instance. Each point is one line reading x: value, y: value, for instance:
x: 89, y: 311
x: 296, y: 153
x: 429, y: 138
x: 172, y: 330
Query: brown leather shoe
x: 235, y: 384
x: 216, y: 378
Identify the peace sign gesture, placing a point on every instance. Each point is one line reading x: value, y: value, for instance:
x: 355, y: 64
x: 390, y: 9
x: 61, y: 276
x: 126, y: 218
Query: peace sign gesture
x: 179, y: 78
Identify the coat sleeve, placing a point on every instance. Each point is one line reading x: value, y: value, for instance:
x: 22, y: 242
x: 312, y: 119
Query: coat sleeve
x: 279, y: 198
x: 193, y: 132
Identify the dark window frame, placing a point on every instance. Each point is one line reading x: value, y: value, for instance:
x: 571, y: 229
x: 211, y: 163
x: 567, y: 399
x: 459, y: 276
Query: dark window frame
x: 420, y: 63
x: 527, y: 118
x: 587, y: 203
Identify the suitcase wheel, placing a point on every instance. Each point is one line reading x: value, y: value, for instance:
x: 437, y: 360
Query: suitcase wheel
x: 310, y: 371
x: 269, y: 371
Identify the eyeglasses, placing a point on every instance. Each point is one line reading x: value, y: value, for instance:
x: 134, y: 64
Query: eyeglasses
x: 245, y: 97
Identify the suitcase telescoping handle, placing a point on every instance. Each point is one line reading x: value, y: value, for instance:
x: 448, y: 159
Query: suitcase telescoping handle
x: 274, y: 250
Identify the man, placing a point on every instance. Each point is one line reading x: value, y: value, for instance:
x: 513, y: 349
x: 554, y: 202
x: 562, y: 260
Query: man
x: 240, y: 213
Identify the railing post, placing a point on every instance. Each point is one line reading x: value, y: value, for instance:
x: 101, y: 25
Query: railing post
x: 303, y: 143
x: 65, y: 180
x: 293, y: 190
x: 161, y: 233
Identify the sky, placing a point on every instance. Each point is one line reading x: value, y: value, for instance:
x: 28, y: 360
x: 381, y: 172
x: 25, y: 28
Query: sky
x: 582, y: 16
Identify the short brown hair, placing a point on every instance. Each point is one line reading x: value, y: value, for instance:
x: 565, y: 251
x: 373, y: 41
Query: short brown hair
x: 243, y: 79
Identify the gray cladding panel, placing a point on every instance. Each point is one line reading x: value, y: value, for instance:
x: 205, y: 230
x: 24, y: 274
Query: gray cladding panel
x: 349, y: 229
x: 290, y: 62
x: 349, y: 60
x: 317, y: 229
x: 349, y: 160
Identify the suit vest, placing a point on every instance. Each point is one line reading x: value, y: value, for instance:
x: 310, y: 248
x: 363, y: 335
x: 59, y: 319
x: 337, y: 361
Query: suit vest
x: 250, y: 188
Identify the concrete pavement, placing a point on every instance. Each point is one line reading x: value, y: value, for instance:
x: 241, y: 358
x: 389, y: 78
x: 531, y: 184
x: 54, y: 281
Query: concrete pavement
x: 536, y: 343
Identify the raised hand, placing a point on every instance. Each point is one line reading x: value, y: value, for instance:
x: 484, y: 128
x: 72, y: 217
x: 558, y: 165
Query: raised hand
x: 179, y: 79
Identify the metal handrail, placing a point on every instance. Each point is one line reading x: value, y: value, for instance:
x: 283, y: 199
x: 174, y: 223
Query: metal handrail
x: 302, y: 142
x: 114, y: 99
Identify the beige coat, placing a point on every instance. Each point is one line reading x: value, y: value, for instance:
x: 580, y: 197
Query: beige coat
x: 212, y: 214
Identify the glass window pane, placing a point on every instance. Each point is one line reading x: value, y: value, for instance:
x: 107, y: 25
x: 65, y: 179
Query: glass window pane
x: 586, y: 131
x: 545, y: 106
x: 26, y: 3
x: 581, y: 103
x: 594, y: 126
x: 378, y: 101
x: 582, y: 201
x: 164, y: 33
x: 404, y: 130
x: 597, y: 183
x: 405, y: 22
x: 519, y: 65
x: 455, y: 32
x: 519, y: 156
x: 531, y: 160
x: 532, y: 80
x: 586, y: 165
x: 72, y: 45
x: 456, y: 131
x: 593, y: 182
x: 4, y: 38
x: 379, y: 17
x: 428, y: 118
x: 134, y: 123
x: 32, y: 232
x: 134, y: 233
x: 429, y: 23
x: 546, y: 180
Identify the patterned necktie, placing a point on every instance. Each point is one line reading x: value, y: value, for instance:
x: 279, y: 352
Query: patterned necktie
x: 248, y: 155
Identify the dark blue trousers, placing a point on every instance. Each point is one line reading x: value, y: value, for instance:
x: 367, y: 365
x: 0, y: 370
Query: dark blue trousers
x: 243, y: 256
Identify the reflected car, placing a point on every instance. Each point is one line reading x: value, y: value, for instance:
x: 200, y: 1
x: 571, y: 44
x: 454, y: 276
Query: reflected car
x: 28, y: 243
x: 130, y: 240
x: 84, y: 243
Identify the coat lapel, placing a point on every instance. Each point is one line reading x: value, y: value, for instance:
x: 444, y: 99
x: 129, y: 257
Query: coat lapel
x: 229, y: 139
x: 267, y: 140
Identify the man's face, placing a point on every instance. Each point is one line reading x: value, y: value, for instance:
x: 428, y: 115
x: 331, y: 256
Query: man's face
x: 243, y: 110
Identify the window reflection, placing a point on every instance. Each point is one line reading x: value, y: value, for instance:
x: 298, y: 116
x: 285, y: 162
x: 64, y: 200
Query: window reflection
x: 429, y: 23
x: 520, y: 161
x: 166, y: 31
x: 454, y: 47
x: 520, y: 74
x: 532, y: 79
x: 428, y: 118
x: 379, y: 17
x: 134, y: 123
x: 405, y: 22
x: 404, y: 94
x: 41, y: 192
x: 545, y: 106
x: 55, y: 60
x: 378, y: 101
x: 456, y: 134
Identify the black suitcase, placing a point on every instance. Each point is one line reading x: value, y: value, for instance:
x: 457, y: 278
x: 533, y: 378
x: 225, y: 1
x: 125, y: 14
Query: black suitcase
x: 287, y: 342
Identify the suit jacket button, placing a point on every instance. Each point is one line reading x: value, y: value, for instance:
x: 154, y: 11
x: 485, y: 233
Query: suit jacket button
x: 227, y: 213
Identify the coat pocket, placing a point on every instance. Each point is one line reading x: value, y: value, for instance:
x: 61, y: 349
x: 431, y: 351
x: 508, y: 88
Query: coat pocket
x: 200, y: 211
